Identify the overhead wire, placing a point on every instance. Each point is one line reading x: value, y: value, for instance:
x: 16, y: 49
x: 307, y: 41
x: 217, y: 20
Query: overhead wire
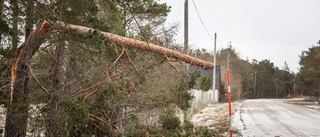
x: 136, y: 21
x: 195, y: 6
x: 179, y: 12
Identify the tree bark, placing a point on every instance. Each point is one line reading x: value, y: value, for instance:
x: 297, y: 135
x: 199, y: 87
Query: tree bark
x: 52, y: 120
x: 15, y: 30
x: 127, y: 42
x: 16, y: 119
x: 1, y: 16
x: 29, y: 19
x: 54, y: 125
x: 1, y: 8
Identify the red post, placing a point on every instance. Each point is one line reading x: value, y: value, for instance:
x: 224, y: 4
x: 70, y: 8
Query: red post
x: 229, y: 98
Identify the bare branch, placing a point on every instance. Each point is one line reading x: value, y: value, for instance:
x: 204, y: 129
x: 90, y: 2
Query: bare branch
x: 100, y: 119
x: 90, y: 94
x: 114, y: 63
x: 34, y: 77
x: 173, y: 65
x: 86, y: 89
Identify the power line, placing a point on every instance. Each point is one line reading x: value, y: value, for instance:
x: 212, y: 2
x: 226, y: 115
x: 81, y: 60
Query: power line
x: 195, y: 6
x: 136, y: 21
x: 219, y: 42
x: 179, y: 12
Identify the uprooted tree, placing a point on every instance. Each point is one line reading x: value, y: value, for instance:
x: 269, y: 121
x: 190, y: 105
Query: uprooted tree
x: 17, y: 111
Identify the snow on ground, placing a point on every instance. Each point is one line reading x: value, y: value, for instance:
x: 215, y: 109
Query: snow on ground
x: 304, y: 102
x: 237, y: 124
x: 216, y: 116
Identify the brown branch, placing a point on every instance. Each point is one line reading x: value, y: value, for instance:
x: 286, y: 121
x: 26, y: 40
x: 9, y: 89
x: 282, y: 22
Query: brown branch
x: 122, y: 51
x: 128, y: 59
x: 173, y: 65
x: 86, y: 89
x: 34, y: 77
x: 100, y: 119
x: 147, y: 134
x: 114, y: 63
x: 99, y: 127
x: 128, y: 63
x: 117, y: 128
x: 90, y: 94
x: 108, y: 78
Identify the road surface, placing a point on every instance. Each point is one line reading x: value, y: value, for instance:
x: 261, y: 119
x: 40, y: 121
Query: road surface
x: 277, y: 118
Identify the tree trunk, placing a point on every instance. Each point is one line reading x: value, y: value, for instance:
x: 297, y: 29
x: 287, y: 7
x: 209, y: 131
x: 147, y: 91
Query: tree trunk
x: 29, y: 19
x: 15, y: 30
x: 1, y: 16
x: 54, y: 124
x: 1, y: 8
x: 52, y: 120
x: 71, y: 69
x: 16, y: 119
x: 127, y: 42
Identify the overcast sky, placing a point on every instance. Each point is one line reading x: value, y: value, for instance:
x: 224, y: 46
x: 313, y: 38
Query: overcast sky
x: 278, y: 30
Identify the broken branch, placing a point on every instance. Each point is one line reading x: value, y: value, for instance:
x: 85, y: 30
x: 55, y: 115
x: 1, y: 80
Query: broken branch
x: 172, y: 64
x: 34, y: 77
x: 90, y: 94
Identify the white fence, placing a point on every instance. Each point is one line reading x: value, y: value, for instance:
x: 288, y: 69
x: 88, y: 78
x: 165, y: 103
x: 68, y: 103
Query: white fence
x: 201, y: 99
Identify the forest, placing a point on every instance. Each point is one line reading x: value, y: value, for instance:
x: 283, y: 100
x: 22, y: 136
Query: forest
x: 100, y: 80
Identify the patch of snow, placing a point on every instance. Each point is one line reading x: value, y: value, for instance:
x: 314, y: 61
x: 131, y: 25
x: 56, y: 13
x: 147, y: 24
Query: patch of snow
x: 313, y: 107
x: 216, y: 116
x: 236, y: 120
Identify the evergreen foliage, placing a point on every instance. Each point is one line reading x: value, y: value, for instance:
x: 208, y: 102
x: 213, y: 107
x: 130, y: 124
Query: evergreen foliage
x: 88, y: 89
x: 309, y: 75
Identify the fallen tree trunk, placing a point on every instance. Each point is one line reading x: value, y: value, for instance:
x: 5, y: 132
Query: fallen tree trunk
x: 127, y: 42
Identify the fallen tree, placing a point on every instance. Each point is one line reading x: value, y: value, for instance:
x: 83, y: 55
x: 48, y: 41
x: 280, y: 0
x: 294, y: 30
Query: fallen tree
x: 127, y: 42
x: 17, y: 113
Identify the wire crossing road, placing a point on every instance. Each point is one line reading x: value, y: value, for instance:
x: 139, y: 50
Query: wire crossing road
x: 277, y: 118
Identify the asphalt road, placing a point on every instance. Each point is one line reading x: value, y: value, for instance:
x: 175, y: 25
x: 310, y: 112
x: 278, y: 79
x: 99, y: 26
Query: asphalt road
x: 277, y: 118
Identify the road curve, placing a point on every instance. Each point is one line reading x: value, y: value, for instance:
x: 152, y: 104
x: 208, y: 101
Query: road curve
x: 277, y: 118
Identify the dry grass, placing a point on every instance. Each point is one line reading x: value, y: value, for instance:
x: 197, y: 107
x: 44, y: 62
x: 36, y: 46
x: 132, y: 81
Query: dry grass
x: 215, y: 117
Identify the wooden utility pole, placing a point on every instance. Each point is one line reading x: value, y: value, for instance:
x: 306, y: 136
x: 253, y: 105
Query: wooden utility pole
x: 186, y: 26
x: 255, y: 83
x: 294, y: 87
x: 276, y: 87
x: 214, y: 69
x: 186, y: 44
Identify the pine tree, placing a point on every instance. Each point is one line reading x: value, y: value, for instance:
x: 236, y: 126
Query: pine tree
x: 309, y: 70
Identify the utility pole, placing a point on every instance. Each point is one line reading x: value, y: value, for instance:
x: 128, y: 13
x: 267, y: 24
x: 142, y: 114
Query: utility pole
x: 294, y: 87
x: 186, y: 27
x: 255, y: 83
x: 214, y: 69
x: 276, y: 87
x: 186, y: 49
